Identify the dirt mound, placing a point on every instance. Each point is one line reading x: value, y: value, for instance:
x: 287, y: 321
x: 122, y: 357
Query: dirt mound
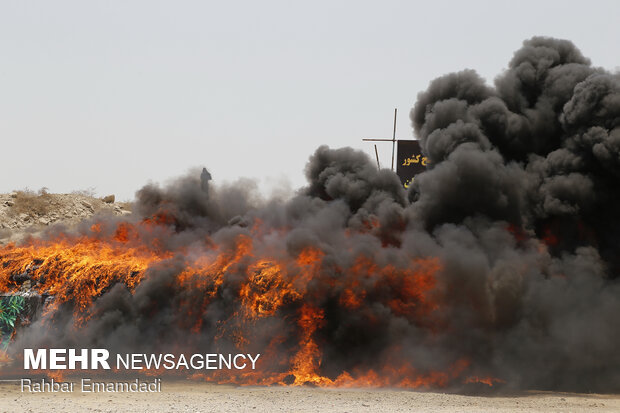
x: 24, y: 212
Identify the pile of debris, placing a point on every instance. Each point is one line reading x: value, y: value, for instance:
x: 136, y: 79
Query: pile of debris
x: 21, y: 308
x: 26, y: 212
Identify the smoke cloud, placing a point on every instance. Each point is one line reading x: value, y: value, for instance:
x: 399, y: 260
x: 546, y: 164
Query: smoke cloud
x: 518, y: 215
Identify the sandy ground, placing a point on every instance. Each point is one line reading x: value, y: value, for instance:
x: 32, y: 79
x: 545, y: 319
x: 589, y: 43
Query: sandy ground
x: 203, y: 397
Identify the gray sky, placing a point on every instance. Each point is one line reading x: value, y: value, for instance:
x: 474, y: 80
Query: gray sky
x: 112, y: 94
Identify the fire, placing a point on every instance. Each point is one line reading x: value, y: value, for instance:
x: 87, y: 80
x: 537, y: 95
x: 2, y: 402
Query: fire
x: 76, y: 269
x: 489, y: 381
x: 293, y: 290
x: 306, y: 362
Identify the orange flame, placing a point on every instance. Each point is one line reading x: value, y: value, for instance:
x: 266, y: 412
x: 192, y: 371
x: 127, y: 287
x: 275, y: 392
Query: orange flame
x: 79, y: 269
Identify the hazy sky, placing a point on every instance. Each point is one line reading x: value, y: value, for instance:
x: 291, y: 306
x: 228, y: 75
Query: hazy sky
x: 113, y: 94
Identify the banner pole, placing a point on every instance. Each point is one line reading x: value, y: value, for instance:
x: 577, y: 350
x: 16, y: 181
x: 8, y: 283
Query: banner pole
x: 394, y: 138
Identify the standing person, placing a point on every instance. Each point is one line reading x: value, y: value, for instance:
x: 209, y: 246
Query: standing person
x: 205, y: 177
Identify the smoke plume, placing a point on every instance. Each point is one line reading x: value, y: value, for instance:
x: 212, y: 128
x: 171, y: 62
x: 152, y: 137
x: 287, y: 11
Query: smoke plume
x: 498, y: 265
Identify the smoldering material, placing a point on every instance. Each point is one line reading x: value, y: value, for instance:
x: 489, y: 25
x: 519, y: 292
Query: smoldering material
x: 519, y: 206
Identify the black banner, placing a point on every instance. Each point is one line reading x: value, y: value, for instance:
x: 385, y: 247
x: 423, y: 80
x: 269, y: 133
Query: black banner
x: 409, y: 161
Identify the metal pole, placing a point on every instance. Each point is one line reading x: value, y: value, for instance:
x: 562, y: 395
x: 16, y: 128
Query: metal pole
x: 394, y: 138
x: 377, y: 155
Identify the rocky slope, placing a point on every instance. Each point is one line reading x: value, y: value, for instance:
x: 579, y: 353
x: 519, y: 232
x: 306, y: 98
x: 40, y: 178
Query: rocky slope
x: 24, y: 212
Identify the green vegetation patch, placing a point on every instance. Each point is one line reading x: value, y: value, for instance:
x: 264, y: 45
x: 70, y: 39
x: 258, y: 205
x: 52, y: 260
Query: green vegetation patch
x: 10, y: 308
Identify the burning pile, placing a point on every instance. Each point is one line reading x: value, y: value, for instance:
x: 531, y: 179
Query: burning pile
x: 497, y: 265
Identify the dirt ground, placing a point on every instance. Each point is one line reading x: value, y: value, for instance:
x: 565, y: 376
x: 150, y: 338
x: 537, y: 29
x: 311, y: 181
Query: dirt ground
x: 203, y: 397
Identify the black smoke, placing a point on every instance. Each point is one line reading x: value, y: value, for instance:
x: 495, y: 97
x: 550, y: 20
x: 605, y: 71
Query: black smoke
x: 520, y: 207
x: 536, y: 154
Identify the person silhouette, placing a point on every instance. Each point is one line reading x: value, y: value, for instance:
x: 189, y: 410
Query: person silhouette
x: 205, y: 177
